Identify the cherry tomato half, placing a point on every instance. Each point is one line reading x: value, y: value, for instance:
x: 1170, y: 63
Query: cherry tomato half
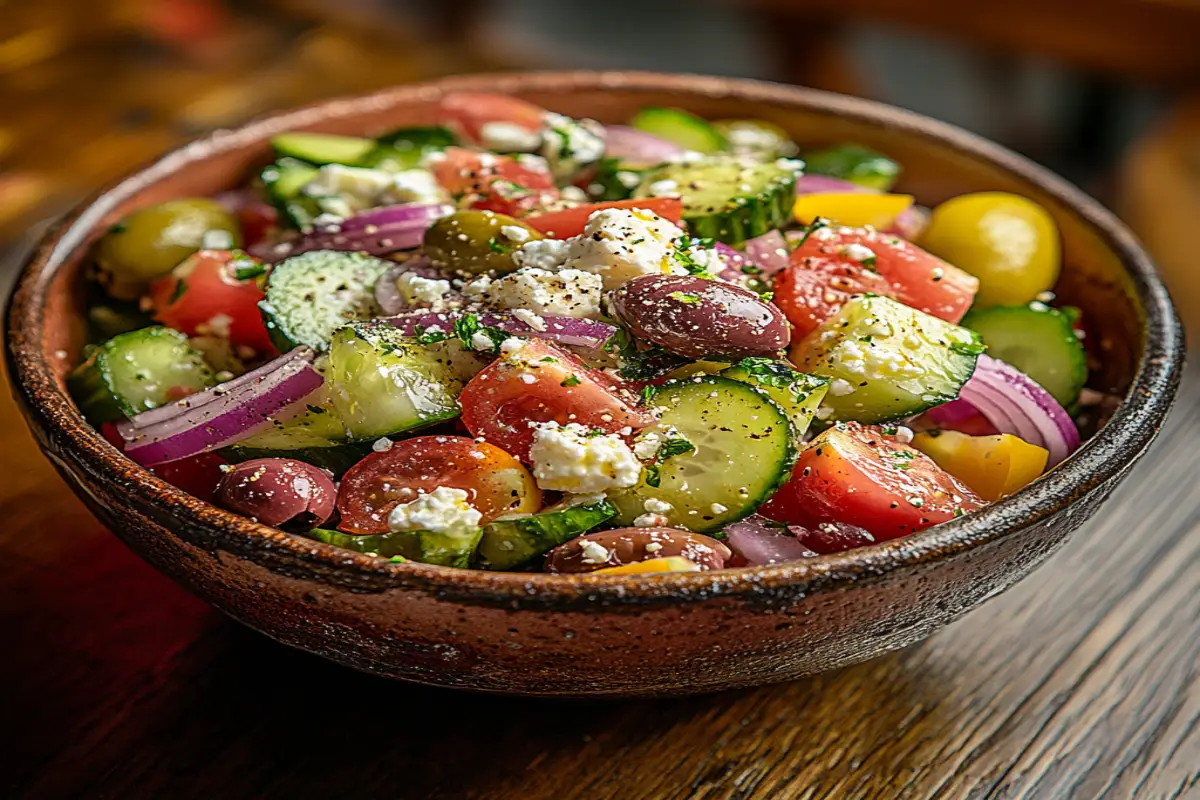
x: 856, y: 474
x: 495, y: 482
x: 493, y: 183
x: 568, y: 223
x: 203, y: 296
x: 538, y: 384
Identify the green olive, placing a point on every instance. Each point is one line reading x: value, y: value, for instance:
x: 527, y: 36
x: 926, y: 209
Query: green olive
x: 477, y: 242
x: 152, y: 241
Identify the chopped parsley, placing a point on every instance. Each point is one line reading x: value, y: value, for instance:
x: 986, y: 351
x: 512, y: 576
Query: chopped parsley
x: 180, y: 288
x: 429, y: 335
x: 673, y: 446
x: 813, y: 227
x: 466, y: 326
x: 571, y: 381
x: 683, y: 254
x: 496, y: 247
x: 640, y: 362
x: 246, y: 268
x: 648, y: 393
x: 972, y: 348
x: 687, y: 298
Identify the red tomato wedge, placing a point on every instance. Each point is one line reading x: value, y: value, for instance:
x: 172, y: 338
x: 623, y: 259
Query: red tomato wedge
x: 494, y: 183
x: 203, y: 296
x: 568, y: 223
x: 540, y: 383
x: 900, y: 269
x: 855, y: 474
x: 495, y: 482
x: 466, y: 113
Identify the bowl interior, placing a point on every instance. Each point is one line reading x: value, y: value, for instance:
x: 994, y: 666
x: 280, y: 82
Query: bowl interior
x: 1105, y: 273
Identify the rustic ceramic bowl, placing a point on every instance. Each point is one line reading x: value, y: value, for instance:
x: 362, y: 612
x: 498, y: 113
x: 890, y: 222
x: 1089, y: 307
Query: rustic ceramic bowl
x: 607, y: 635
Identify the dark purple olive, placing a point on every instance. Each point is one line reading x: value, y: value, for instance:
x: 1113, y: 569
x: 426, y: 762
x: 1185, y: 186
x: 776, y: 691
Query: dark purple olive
x: 630, y: 545
x: 702, y: 319
x: 279, y: 492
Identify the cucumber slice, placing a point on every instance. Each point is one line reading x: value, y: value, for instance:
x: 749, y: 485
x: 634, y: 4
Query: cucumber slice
x: 743, y: 452
x: 336, y: 458
x: 311, y: 295
x: 796, y: 393
x: 407, y: 147
x: 283, y: 182
x: 756, y: 138
x: 138, y: 371
x: 681, y: 127
x: 427, y: 547
x: 508, y: 543
x: 728, y: 199
x: 886, y: 361
x: 323, y: 148
x: 382, y: 383
x: 1039, y: 341
x: 854, y: 163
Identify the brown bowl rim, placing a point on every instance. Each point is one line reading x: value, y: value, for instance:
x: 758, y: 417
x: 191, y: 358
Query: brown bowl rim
x: 1104, y: 457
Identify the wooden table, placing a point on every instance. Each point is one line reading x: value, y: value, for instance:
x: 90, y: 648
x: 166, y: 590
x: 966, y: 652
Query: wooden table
x: 1083, y: 681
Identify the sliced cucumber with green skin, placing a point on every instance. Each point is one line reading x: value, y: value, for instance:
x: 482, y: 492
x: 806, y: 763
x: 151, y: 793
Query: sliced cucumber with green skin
x: 336, y: 458
x: 1039, y: 341
x: 728, y: 199
x: 797, y: 393
x: 283, y: 182
x: 886, y: 361
x: 137, y: 371
x: 451, y: 549
x: 681, y: 127
x: 323, y: 148
x: 382, y: 383
x: 407, y: 147
x: 743, y: 452
x: 311, y: 295
x: 509, y: 543
x: 854, y: 163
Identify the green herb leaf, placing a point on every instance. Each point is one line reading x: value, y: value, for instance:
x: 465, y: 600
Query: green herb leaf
x: 571, y: 381
x: 813, y: 227
x: 687, y: 298
x: 180, y: 288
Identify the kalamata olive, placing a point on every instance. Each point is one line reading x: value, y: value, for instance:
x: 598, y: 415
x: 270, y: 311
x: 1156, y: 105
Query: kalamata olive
x: 698, y: 318
x: 476, y: 242
x: 832, y: 537
x: 152, y: 241
x: 628, y: 545
x: 279, y: 492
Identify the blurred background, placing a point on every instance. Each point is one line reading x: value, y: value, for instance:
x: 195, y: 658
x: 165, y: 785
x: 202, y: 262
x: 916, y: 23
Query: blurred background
x: 1099, y: 90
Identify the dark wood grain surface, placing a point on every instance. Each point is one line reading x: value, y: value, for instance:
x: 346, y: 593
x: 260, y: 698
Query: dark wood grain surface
x: 1083, y: 681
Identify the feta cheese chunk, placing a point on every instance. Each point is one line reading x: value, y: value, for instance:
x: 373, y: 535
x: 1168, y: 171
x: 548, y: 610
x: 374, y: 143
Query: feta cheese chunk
x: 508, y: 137
x: 568, y: 144
x: 419, y: 291
x: 569, y: 458
x: 619, y: 244
x: 415, y: 186
x: 342, y: 190
x: 542, y: 254
x: 443, y: 510
x: 569, y: 292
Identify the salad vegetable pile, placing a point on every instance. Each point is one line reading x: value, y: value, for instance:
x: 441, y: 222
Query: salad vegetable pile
x: 514, y: 340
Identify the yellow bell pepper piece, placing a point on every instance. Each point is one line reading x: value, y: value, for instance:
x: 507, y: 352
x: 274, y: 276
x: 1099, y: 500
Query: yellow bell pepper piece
x: 668, y: 564
x: 991, y: 466
x: 854, y: 209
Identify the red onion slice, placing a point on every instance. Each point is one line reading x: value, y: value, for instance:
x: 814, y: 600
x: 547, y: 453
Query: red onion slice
x: 377, y: 231
x: 222, y: 415
x: 760, y: 541
x: 769, y: 251
x: 570, y: 331
x: 1014, y: 403
x: 637, y: 147
x: 819, y: 184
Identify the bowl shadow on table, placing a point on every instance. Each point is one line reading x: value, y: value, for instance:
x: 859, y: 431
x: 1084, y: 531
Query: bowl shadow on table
x: 414, y: 741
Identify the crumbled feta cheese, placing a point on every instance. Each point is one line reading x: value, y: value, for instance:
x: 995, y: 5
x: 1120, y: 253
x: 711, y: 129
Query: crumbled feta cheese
x: 857, y: 252
x: 628, y: 179
x: 653, y: 547
x: 569, y: 292
x: 646, y: 446
x: 443, y: 510
x: 566, y: 459
x: 650, y: 520
x: 685, y: 157
x: 573, y: 194
x: 916, y: 502
x: 717, y: 508
x: 593, y: 552
x: 418, y: 291
x: 415, y: 186
x: 511, y: 347
x: 514, y: 233
x: 543, y: 254
x: 342, y: 190
x: 569, y: 144
x: 664, y: 188
x: 218, y: 325
x: 656, y: 506
x: 382, y: 445
x: 216, y: 239
x: 840, y: 388
x: 508, y: 137
x: 481, y: 341
x: 904, y: 435
x: 619, y: 244
x: 529, y: 318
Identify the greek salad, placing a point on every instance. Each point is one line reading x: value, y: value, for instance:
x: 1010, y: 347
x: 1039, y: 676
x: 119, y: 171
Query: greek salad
x: 516, y: 340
